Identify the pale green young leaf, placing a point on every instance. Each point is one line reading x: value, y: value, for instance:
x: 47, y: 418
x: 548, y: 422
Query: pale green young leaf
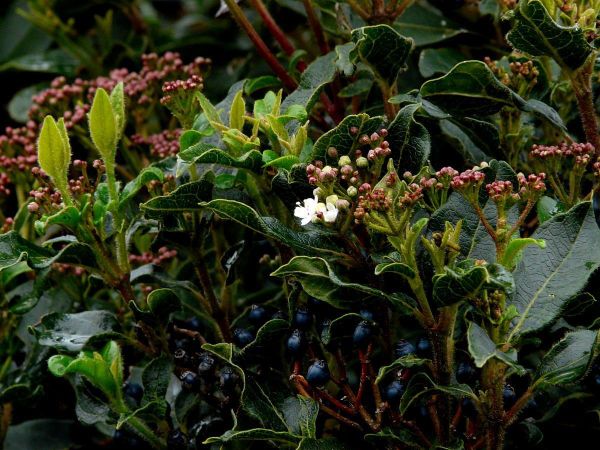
x: 54, y: 153
x: 117, y: 101
x: 103, y: 126
x: 238, y: 111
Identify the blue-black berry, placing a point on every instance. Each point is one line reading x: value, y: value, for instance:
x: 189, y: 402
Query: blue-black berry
x: 318, y: 373
x: 176, y: 440
x: 302, y: 318
x: 468, y: 408
x: 362, y: 333
x: 206, y: 363
x: 465, y: 373
x: 393, y: 392
x: 404, y: 348
x: 509, y: 395
x: 242, y: 337
x: 194, y: 324
x: 134, y: 391
x: 257, y: 315
x: 424, y: 348
x: 295, y: 343
x: 228, y: 378
x: 367, y: 314
x: 189, y: 379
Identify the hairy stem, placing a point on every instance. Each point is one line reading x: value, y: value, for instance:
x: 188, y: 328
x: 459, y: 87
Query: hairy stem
x: 581, y: 81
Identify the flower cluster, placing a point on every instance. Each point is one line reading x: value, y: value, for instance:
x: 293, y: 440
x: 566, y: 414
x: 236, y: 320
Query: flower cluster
x: 580, y: 153
x: 531, y: 187
x: 521, y: 76
x: 162, y: 255
x: 162, y: 145
x: 312, y: 210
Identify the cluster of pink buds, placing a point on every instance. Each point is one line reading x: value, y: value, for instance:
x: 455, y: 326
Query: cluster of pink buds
x: 531, y: 187
x: 176, y: 87
x: 467, y: 179
x: 162, y: 145
x: 501, y: 191
x: 411, y: 196
x: 375, y: 200
x: 163, y: 254
x: 581, y: 153
x: 4, y: 185
x: 68, y: 269
x: 317, y: 173
x: 45, y: 200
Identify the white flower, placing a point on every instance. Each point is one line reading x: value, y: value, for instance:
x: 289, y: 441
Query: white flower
x: 308, y: 212
x: 312, y: 210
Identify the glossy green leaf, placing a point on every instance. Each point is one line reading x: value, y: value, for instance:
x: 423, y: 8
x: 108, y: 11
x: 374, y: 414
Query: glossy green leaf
x: 319, y: 280
x: 313, y: 80
x: 155, y: 380
x: 395, y: 267
x: 409, y: 140
x: 514, y: 250
x: 342, y: 139
x: 383, y: 49
x: 310, y: 242
x: 421, y: 385
x: 426, y: 25
x: 70, y: 332
x: 147, y: 175
x: 404, y: 361
x: 571, y: 254
x: 534, y: 32
x: 433, y: 61
x: 186, y: 197
x: 205, y: 154
x: 482, y: 349
x: 568, y: 360
x: 466, y: 282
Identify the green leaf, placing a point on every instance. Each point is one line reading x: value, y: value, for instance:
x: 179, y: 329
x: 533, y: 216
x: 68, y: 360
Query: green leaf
x: 307, y: 241
x: 54, y: 152
x: 482, y: 349
x: 383, y: 49
x: 514, y: 250
x: 272, y: 331
x: 421, y: 384
x: 301, y: 415
x: 155, y: 380
x: 341, y: 138
x: 117, y: 101
x: 404, y: 361
x: 103, y: 126
x: 211, y: 113
x: 534, y: 32
x: 476, y: 140
x: 409, y: 140
x: 205, y: 154
x: 571, y: 254
x: 426, y: 25
x: 568, y: 360
x: 40, y: 434
x: 94, y: 366
x: 254, y: 434
x: 546, y: 208
x: 321, y: 444
x: 237, y: 111
x: 313, y: 80
x: 14, y: 249
x: 186, y: 197
x: 320, y: 281
x: 469, y: 89
x: 438, y: 60
x: 283, y: 162
x: 395, y: 267
x: 70, y: 332
x: 467, y: 280
x: 147, y: 175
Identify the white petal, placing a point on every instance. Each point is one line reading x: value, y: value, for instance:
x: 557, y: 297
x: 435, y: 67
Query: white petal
x: 330, y: 215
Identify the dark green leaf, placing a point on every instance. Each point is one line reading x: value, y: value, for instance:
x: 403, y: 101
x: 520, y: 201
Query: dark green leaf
x: 438, y: 60
x: 320, y: 281
x: 537, y: 34
x: 571, y: 254
x: 383, y: 49
x: 309, y: 241
x: 409, y: 140
x: 155, y: 379
x: 568, y: 360
x: 426, y: 25
x: 204, y: 154
x: 147, y: 175
x: 341, y: 138
x: 70, y: 332
x: 40, y: 434
x: 404, y: 361
x: 300, y: 414
x: 186, y: 197
x: 482, y: 349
